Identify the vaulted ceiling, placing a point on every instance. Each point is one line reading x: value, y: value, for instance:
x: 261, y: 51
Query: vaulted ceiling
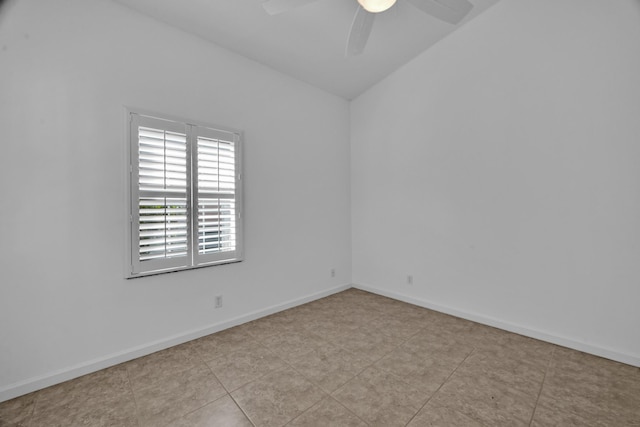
x: 308, y: 43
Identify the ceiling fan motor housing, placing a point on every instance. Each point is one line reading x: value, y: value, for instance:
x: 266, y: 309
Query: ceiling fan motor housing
x: 375, y: 6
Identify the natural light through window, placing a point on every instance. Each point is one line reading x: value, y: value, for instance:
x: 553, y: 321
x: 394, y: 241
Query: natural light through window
x: 185, y: 183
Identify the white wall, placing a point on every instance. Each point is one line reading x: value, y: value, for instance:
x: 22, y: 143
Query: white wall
x: 501, y: 169
x: 67, y: 70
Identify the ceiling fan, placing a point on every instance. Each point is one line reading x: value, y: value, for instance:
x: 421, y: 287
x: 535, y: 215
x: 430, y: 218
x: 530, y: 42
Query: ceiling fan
x: 451, y: 11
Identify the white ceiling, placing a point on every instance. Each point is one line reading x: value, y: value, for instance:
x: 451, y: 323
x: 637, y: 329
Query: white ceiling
x: 309, y: 42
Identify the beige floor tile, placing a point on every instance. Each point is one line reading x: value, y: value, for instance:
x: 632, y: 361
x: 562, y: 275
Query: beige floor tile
x: 515, y: 374
x: 95, y: 412
x: 440, y: 416
x: 356, y: 316
x: 265, y: 326
x: 438, y: 342
x: 305, y: 315
x: 407, y: 312
x: 592, y: 402
x: 570, y: 366
x: 291, y: 346
x: 380, y: 360
x: 153, y: 369
x: 224, y: 342
x: 330, y: 328
x: 223, y: 412
x: 277, y: 398
x: 482, y: 399
x: 330, y: 367
x: 552, y: 417
x: 439, y: 320
x: 107, y: 384
x: 520, y: 348
x: 17, y: 411
x: 241, y: 367
x: 177, y: 395
x: 373, y: 305
x: 426, y: 372
x: 368, y: 345
x: 272, y: 325
x: 592, y: 387
x: 480, y: 336
x: 298, y: 316
x: 380, y: 399
x: 567, y: 358
x: 341, y: 309
x: 395, y: 326
x: 327, y: 413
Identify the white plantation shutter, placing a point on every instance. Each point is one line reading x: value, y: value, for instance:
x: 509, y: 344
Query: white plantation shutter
x: 185, y: 195
x: 215, y: 190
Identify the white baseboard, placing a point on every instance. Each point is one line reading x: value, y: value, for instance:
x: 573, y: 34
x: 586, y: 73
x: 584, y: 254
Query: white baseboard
x: 518, y: 329
x: 61, y: 375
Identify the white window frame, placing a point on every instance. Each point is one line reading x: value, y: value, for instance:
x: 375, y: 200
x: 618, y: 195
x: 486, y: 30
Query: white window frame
x: 193, y: 258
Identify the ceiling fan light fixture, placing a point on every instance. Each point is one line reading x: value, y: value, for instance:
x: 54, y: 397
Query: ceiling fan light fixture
x: 376, y: 6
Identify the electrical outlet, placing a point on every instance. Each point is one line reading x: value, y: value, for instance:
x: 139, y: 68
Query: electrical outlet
x: 409, y: 279
x: 333, y: 272
x: 218, y: 301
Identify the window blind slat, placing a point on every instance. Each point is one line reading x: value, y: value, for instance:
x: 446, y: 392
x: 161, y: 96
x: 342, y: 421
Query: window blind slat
x: 162, y: 160
x: 216, y: 225
x: 162, y: 228
x: 216, y: 165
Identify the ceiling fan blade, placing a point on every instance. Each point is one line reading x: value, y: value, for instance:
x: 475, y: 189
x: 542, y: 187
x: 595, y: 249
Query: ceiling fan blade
x: 274, y: 7
x: 451, y: 11
x: 360, y: 30
x: 463, y: 6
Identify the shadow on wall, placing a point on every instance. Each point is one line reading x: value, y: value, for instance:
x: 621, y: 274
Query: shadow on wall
x: 4, y: 8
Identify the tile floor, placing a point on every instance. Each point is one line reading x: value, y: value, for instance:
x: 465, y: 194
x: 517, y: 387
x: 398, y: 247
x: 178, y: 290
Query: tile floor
x: 351, y: 359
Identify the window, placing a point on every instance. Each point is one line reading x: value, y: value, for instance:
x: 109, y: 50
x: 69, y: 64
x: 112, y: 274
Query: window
x: 186, y: 198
